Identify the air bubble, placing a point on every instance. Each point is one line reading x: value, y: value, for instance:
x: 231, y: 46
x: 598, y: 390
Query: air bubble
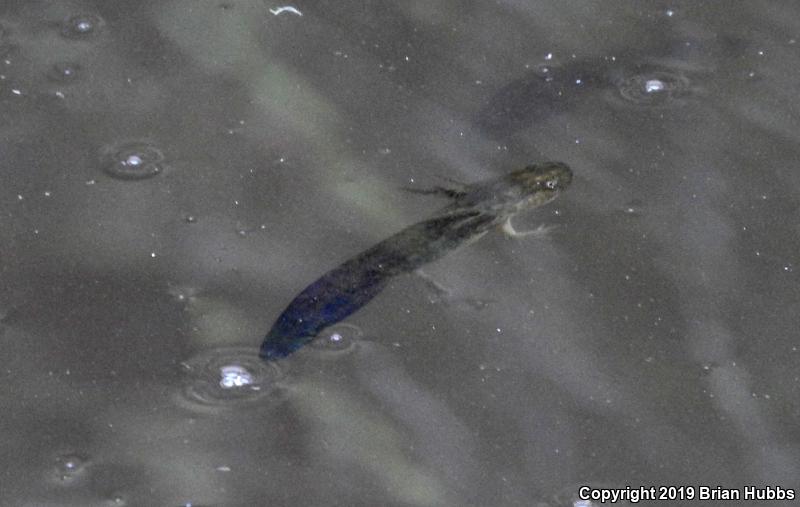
x: 708, y: 368
x: 233, y: 376
x: 182, y: 293
x: 69, y: 467
x: 227, y: 377
x: 82, y: 26
x: 132, y: 160
x: 633, y: 208
x: 546, y: 71
x: 337, y: 338
x: 654, y: 89
x: 654, y: 85
x: 64, y: 72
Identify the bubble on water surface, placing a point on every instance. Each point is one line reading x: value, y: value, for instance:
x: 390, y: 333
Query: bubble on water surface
x: 546, y: 71
x: 233, y: 376
x: 68, y: 467
x: 183, y: 294
x: 116, y: 501
x: 228, y: 377
x: 337, y: 338
x: 133, y: 160
x: 81, y: 26
x: 632, y: 208
x: 64, y: 72
x: 654, y: 85
x: 657, y: 89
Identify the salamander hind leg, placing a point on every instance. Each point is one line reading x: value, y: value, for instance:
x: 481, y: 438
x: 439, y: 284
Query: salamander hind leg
x: 541, y: 231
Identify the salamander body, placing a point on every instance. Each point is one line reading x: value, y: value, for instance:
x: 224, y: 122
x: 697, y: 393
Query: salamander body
x: 475, y: 210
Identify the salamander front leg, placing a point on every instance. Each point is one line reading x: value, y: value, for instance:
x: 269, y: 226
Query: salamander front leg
x: 509, y: 230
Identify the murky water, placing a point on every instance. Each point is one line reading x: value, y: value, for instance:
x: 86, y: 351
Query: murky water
x: 172, y: 173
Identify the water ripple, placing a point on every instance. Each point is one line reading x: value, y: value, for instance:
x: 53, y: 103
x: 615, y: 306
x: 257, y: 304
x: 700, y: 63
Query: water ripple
x: 654, y: 89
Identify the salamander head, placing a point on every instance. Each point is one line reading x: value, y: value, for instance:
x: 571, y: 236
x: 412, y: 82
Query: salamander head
x: 548, y: 176
x: 539, y: 184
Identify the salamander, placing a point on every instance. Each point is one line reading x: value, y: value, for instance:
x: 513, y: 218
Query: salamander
x: 474, y: 210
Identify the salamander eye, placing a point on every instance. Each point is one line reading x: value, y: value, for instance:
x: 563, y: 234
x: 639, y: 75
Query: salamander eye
x: 551, y: 184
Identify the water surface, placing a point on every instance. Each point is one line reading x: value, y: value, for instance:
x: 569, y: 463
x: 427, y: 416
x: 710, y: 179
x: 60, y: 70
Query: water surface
x: 172, y: 173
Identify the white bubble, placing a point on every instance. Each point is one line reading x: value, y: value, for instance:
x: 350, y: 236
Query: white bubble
x: 221, y: 378
x: 654, y: 85
x: 133, y: 160
x: 655, y: 88
x: 81, y: 26
x: 234, y: 376
x: 69, y: 467
x: 338, y: 338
